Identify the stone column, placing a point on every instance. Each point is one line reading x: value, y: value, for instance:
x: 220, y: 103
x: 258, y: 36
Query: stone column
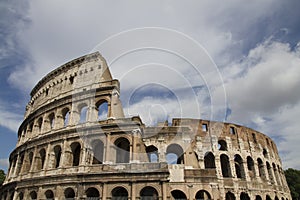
x: 104, y: 191
x: 133, y: 191
x: 164, y: 191
x: 107, y: 149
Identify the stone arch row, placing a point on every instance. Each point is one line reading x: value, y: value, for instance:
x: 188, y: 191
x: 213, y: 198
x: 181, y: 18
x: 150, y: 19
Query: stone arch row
x: 118, y: 192
x: 273, y: 171
x: 63, y: 117
x: 60, y: 155
x: 244, y: 196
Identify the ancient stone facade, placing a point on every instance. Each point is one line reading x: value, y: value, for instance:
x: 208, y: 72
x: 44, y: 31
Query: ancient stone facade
x: 75, y: 143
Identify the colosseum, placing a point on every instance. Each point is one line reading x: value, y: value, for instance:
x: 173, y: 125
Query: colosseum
x: 76, y: 143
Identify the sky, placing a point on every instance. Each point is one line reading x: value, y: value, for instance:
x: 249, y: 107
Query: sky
x: 235, y: 61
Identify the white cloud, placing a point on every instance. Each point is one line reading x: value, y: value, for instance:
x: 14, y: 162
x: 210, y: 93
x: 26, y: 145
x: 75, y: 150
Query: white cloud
x: 268, y: 95
x: 8, y: 118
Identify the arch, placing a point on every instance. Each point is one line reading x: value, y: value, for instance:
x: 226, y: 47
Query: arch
x: 222, y: 145
x: 265, y: 153
x: 21, y: 196
x: 12, y: 194
x: 239, y: 167
x: 276, y: 198
x: 178, y: 194
x: 92, y: 194
x: 268, y: 197
x: 261, y: 168
x: 174, y: 154
x: 229, y: 196
x: 203, y: 195
x: 98, y: 149
x: 49, y: 195
x: 41, y: 159
x: 149, y: 193
x: 122, y: 150
x: 270, y: 172
x: 276, y: 174
x: 20, y: 163
x: 244, y: 196
x: 250, y: 166
x: 225, y: 166
x: 76, y: 150
x: 152, y: 153
x: 257, y: 197
x: 66, y: 116
x: 209, y: 161
x: 83, y: 109
x: 51, y: 118
x: 57, y: 154
x: 119, y: 193
x: 102, y: 109
x: 69, y: 194
x: 39, y: 124
x: 33, y: 195
x: 254, y: 138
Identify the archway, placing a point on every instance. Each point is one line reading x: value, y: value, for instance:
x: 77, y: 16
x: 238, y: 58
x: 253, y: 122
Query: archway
x: 122, y: 150
x: 149, y: 193
x: 174, y: 154
x: 178, y: 195
x: 119, y: 193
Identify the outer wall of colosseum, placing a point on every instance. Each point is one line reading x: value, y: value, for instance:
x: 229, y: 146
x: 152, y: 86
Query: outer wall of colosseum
x: 75, y: 143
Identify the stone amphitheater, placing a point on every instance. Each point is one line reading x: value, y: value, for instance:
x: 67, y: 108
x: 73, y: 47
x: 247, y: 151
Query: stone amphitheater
x: 76, y: 143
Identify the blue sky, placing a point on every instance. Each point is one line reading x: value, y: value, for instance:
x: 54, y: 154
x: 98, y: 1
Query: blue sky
x: 254, y: 47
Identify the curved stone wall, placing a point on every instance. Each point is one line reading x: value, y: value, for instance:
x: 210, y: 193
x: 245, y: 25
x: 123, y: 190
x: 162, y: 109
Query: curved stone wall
x: 75, y: 143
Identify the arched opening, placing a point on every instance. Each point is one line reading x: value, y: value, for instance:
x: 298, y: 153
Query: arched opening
x: 250, y: 166
x: 149, y: 193
x: 20, y: 163
x: 30, y: 156
x: 51, y: 120
x: 178, y: 195
x: 225, y: 166
x: 49, y: 195
x: 268, y: 197
x: 257, y: 197
x: 244, y: 196
x: 270, y: 172
x: 83, y: 113
x: 265, y: 153
x: 21, y: 196
x: 102, y: 108
x: 92, y: 194
x: 203, y: 195
x: 41, y: 159
x: 276, y: 174
x: 57, y: 153
x: 66, y: 116
x: 229, y: 196
x: 40, y: 123
x: 122, y: 150
x: 69, y: 194
x: 209, y: 161
x: 12, y: 194
x: 98, y: 148
x: 276, y: 198
x: 152, y: 153
x: 174, y: 154
x: 261, y: 168
x: 239, y: 168
x: 222, y: 145
x: 119, y: 193
x: 76, y: 149
x: 254, y: 138
x: 33, y: 195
